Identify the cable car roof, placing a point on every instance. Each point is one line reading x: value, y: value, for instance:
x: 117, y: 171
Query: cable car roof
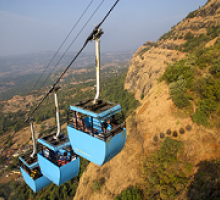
x: 25, y: 158
x: 104, y: 109
x: 54, y: 145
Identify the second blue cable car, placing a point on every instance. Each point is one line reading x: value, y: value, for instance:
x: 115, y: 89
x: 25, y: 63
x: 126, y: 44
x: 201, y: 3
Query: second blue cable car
x: 57, y: 160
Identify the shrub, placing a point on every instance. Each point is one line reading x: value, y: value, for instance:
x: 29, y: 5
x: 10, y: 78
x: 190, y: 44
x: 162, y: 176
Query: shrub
x: 177, y: 90
x: 180, y: 37
x: 130, y: 193
x: 213, y: 31
x: 180, y: 100
x: 194, y: 42
x: 178, y: 86
x: 144, y: 51
x: 208, y: 88
x: 200, y: 117
x: 198, y: 86
x: 191, y: 14
x: 14, y: 184
x: 175, y: 134
x: 167, y: 35
x: 183, y: 70
x: 215, y: 68
x: 155, y: 138
x: 168, y: 132
x: 188, y: 127
x: 98, y: 184
x: 142, y: 96
x: 188, y: 36
x: 10, y: 167
x: 190, y: 97
x: 203, y: 59
x: 202, y: 65
x: 181, y: 131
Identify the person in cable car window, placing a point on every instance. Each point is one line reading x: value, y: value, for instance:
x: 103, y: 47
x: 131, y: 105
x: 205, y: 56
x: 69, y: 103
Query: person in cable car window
x: 79, y: 123
x: 104, y: 127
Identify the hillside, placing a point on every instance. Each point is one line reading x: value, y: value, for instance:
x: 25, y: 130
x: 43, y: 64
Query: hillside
x: 151, y: 59
x: 14, y: 113
x: 173, y: 143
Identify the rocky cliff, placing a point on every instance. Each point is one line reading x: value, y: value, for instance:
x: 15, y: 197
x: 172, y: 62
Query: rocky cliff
x: 157, y: 117
x: 151, y: 59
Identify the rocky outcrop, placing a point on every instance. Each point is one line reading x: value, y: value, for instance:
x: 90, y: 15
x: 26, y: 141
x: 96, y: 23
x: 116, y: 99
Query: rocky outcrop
x: 145, y: 69
x: 151, y: 59
x: 156, y: 118
x: 147, y: 127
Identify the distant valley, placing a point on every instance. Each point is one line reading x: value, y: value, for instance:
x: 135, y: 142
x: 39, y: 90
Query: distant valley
x: 18, y: 74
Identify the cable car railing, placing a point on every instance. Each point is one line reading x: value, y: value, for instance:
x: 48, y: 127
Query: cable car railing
x: 94, y: 127
x: 58, y: 158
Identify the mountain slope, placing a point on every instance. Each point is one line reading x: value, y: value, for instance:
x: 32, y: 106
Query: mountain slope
x: 159, y: 118
x: 151, y: 59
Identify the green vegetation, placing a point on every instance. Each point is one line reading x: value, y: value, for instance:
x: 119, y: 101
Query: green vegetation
x: 180, y: 76
x: 98, y: 184
x: 213, y: 32
x: 189, y: 80
x: 111, y: 89
x: 167, y: 35
x: 188, y: 36
x: 191, y: 14
x: 164, y: 175
x: 132, y: 193
x: 193, y: 43
x: 143, y: 51
x: 206, y: 181
x: 5, y: 190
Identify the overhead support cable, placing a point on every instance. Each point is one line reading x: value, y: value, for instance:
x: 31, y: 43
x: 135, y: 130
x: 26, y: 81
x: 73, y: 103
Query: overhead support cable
x: 71, y: 44
x: 62, y: 44
x: 90, y: 38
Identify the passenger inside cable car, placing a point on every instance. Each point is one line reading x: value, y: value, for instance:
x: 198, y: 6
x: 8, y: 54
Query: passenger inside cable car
x: 100, y: 134
x: 34, y: 173
x: 60, y: 157
x: 97, y: 128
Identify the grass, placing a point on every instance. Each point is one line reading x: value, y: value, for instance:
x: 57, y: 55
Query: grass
x: 164, y: 175
x: 130, y: 193
x: 189, y: 83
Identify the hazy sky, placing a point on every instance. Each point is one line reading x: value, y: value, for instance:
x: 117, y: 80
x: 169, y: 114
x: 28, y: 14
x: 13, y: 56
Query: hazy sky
x: 29, y: 26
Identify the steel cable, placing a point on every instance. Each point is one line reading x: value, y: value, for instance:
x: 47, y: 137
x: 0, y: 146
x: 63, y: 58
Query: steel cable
x: 72, y: 43
x: 62, y: 45
x: 90, y: 37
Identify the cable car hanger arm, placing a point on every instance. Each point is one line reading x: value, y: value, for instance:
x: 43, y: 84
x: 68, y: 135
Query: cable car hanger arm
x: 90, y: 37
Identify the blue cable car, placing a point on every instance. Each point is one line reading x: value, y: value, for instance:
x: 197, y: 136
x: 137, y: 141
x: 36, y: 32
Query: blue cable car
x: 57, y: 160
x: 30, y: 168
x: 32, y: 174
x: 95, y: 130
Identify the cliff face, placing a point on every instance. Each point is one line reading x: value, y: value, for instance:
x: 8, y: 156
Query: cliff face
x: 147, y: 127
x: 147, y: 67
x: 151, y: 59
x: 158, y: 117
